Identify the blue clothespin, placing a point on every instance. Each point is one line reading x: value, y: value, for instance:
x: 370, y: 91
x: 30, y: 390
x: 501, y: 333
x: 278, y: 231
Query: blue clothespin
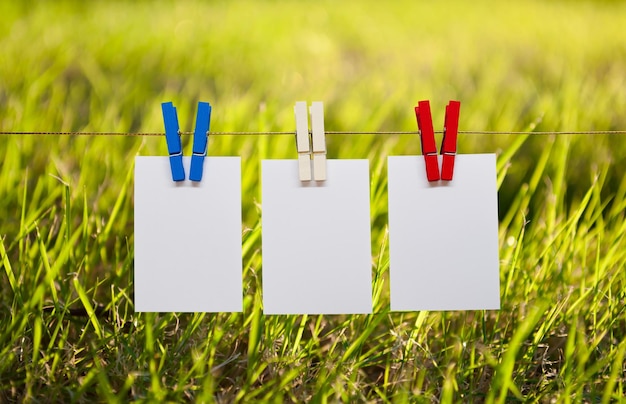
x: 200, y: 140
x: 174, y: 145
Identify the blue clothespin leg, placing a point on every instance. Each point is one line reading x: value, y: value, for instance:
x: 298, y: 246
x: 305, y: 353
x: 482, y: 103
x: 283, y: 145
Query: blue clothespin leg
x: 174, y: 146
x: 200, y: 141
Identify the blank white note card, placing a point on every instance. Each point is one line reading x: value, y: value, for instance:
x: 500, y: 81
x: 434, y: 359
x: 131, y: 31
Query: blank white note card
x: 443, y: 236
x: 188, y: 237
x: 316, y: 239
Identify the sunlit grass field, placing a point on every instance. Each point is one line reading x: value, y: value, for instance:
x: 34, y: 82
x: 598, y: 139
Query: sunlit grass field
x: 68, y: 331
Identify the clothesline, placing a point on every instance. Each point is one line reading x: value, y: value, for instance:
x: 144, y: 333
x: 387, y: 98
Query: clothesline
x: 277, y: 133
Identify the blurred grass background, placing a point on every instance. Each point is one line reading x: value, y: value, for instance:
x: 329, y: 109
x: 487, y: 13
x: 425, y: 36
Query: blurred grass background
x: 107, y: 66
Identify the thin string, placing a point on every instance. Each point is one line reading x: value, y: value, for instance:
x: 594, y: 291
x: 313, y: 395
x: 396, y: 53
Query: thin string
x: 461, y: 132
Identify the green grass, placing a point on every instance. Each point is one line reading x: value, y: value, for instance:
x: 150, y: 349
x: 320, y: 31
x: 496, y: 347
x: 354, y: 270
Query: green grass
x: 68, y: 331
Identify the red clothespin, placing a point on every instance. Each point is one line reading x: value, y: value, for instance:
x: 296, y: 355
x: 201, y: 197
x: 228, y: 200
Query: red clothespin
x: 448, y: 145
x: 427, y: 139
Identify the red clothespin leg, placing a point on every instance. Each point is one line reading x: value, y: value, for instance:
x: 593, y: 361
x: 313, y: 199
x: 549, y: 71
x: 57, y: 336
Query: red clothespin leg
x: 448, y: 146
x: 427, y: 139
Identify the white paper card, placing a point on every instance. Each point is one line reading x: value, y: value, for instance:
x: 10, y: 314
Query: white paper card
x: 316, y: 239
x: 443, y: 236
x: 188, y: 237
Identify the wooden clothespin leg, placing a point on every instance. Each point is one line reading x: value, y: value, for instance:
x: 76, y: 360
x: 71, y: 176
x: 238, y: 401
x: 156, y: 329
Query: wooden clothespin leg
x: 303, y: 142
x: 200, y: 141
x: 319, y: 141
x: 174, y: 145
x: 427, y: 140
x: 448, y: 146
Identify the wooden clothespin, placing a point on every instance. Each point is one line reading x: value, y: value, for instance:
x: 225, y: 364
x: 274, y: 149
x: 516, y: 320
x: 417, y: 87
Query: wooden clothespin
x: 311, y: 145
x: 319, y: 141
x: 427, y: 139
x: 303, y: 141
